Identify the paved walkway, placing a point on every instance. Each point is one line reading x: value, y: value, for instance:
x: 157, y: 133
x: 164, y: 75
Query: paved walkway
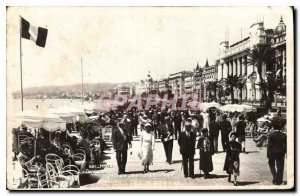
x: 255, y: 173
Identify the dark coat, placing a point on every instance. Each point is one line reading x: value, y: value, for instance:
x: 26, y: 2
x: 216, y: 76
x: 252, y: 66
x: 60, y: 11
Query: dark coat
x: 136, y: 119
x: 177, y: 120
x: 214, y: 129
x: 240, y: 128
x: 166, y: 131
x: 276, y: 144
x: 225, y: 128
x: 120, y: 141
x: 205, y: 164
x: 232, y: 155
x: 187, y: 144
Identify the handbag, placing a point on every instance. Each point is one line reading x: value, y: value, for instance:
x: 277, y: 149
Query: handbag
x: 140, y: 155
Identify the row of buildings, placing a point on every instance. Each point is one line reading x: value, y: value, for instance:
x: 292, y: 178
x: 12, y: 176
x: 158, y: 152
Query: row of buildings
x: 232, y: 60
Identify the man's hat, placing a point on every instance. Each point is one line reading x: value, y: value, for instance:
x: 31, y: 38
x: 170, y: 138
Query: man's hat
x: 278, y: 122
x: 232, y: 133
x: 147, y: 125
x: 187, y: 124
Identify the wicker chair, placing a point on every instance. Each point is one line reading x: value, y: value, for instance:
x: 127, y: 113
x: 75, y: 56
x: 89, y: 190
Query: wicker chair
x: 80, y: 159
x: 55, y: 180
x: 42, y: 179
x: 52, y: 158
x: 62, y: 170
x: 24, y: 179
x: 33, y: 176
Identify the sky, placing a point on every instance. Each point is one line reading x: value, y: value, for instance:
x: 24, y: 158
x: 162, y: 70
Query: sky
x: 121, y: 44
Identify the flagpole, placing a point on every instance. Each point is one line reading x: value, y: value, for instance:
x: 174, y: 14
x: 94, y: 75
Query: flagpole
x: 81, y: 83
x: 21, y: 61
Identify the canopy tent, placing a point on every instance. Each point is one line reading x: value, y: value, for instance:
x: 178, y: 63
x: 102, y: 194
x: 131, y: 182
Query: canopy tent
x: 68, y: 117
x: 30, y: 123
x: 70, y: 114
x: 41, y: 119
x: 237, y: 108
x: 207, y: 105
x: 97, y: 107
x: 79, y: 112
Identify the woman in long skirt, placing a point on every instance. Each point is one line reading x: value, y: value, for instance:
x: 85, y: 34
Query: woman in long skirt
x: 232, y: 160
x: 204, y: 144
x: 147, y: 147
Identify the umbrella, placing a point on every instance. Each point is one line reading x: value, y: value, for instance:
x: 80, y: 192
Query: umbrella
x: 103, y: 106
x: 205, y: 106
x: 30, y: 123
x: 41, y: 119
x: 237, y: 108
x: 70, y: 118
x: 71, y: 114
x: 49, y: 121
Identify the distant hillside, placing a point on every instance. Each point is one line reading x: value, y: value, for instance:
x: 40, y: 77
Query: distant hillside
x: 95, y: 87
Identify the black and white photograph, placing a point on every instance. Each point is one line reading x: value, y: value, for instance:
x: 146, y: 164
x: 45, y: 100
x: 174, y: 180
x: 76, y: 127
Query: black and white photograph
x: 150, y: 98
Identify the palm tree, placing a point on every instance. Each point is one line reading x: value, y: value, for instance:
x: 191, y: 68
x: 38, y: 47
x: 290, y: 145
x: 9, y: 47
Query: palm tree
x: 231, y: 81
x: 212, y: 87
x: 259, y: 56
x: 220, y: 91
x: 240, y: 85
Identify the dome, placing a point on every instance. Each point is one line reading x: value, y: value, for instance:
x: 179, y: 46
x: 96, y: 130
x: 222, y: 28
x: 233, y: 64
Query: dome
x: 281, y: 27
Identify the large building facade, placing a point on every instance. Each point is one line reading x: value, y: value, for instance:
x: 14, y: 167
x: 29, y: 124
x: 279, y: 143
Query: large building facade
x: 233, y: 60
x: 127, y: 89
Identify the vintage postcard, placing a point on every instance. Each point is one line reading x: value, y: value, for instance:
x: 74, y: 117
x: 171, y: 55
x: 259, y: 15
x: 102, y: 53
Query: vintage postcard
x: 150, y: 98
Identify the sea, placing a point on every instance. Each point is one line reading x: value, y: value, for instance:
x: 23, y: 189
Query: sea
x: 29, y: 104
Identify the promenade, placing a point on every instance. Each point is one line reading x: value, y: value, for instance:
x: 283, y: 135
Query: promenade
x: 254, y: 171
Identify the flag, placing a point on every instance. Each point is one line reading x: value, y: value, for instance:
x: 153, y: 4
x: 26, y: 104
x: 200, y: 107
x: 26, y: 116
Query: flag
x: 33, y: 33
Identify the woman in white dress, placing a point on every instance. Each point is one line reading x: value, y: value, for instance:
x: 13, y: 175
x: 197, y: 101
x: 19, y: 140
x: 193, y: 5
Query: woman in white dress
x: 147, y: 147
x: 205, y: 116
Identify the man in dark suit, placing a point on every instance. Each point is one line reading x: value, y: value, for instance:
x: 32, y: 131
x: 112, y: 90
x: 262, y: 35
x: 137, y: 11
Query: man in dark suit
x: 121, y: 140
x: 177, y: 124
x: 276, y: 150
x: 225, y: 127
x: 135, y: 123
x: 187, y: 141
x: 241, y: 131
x: 214, y: 130
x: 167, y: 134
x: 129, y: 124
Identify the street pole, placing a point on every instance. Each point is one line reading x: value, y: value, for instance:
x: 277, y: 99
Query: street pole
x: 81, y: 83
x: 21, y: 62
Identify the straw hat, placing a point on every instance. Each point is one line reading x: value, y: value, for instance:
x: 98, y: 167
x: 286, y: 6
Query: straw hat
x: 187, y: 124
x: 147, y: 125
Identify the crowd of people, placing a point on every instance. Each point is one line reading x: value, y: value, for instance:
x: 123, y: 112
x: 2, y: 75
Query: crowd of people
x: 187, y: 127
x: 192, y: 130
